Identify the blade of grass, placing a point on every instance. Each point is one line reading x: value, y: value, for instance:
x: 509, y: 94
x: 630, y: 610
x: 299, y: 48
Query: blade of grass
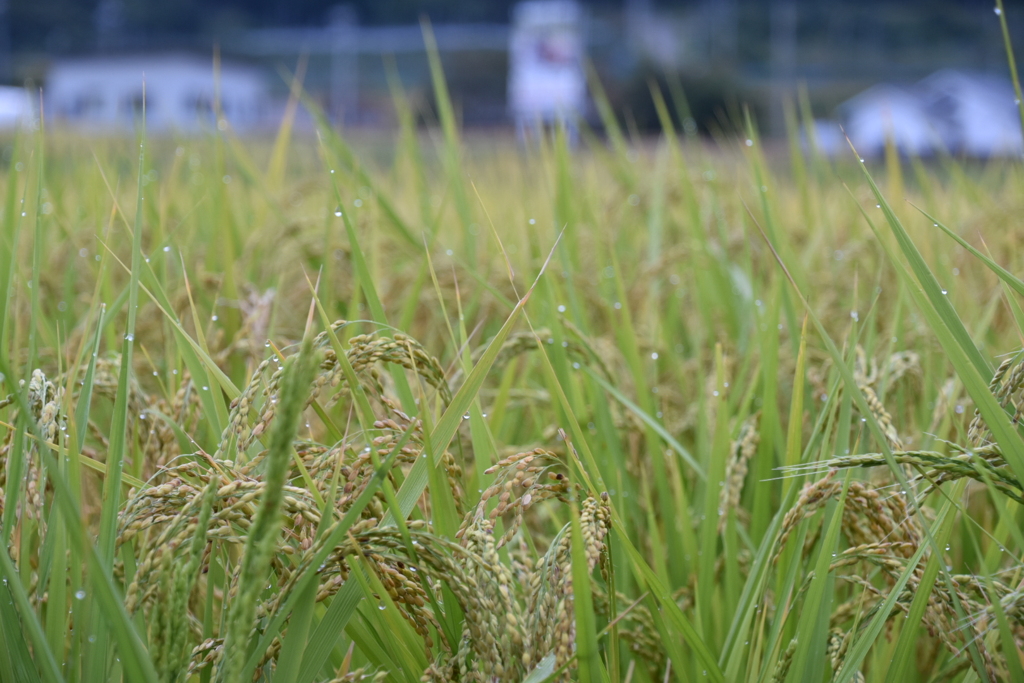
x: 1006, y: 276
x: 444, y: 430
x: 809, y: 661
x: 298, y: 375
x: 109, y: 602
x: 660, y: 430
x: 365, y: 279
x: 119, y: 449
x: 936, y: 295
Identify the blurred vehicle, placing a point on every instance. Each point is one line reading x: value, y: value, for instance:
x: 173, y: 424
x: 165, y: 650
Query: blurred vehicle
x: 950, y: 111
x: 16, y: 108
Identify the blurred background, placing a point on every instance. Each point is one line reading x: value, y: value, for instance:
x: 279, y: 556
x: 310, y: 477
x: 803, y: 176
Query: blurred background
x: 932, y: 74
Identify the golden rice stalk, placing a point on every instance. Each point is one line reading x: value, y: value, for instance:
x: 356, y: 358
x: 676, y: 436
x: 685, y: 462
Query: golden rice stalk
x: 1006, y: 385
x: 743, y: 449
x: 523, y: 480
x: 365, y: 352
x: 865, y: 378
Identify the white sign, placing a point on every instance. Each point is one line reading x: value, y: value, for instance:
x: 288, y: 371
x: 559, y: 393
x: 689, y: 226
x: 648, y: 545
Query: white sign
x: 546, y: 81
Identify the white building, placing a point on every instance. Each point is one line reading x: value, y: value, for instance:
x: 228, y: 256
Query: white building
x: 106, y: 93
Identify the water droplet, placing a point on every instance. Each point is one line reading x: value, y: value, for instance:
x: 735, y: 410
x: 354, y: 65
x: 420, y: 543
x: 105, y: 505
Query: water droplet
x: 167, y: 248
x: 206, y: 388
x: 358, y: 203
x: 561, y: 308
x: 715, y: 392
x: 213, y: 318
x: 997, y: 11
x: 80, y: 594
x: 129, y: 337
x: 878, y: 206
x: 576, y: 365
x: 466, y: 416
x: 337, y: 212
x: 750, y: 143
x: 617, y: 305
x: 945, y: 292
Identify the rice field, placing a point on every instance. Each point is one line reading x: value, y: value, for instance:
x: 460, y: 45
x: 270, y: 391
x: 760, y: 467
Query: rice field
x: 445, y: 408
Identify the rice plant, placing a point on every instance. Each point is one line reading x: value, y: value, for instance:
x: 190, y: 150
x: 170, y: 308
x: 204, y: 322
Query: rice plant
x: 449, y: 409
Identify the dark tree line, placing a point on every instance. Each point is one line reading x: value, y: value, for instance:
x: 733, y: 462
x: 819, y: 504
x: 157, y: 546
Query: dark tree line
x: 82, y: 25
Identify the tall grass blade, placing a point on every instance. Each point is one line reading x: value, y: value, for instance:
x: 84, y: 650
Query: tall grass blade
x: 256, y: 557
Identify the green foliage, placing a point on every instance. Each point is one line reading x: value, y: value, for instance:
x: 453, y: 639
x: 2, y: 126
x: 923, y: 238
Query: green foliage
x: 598, y: 445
